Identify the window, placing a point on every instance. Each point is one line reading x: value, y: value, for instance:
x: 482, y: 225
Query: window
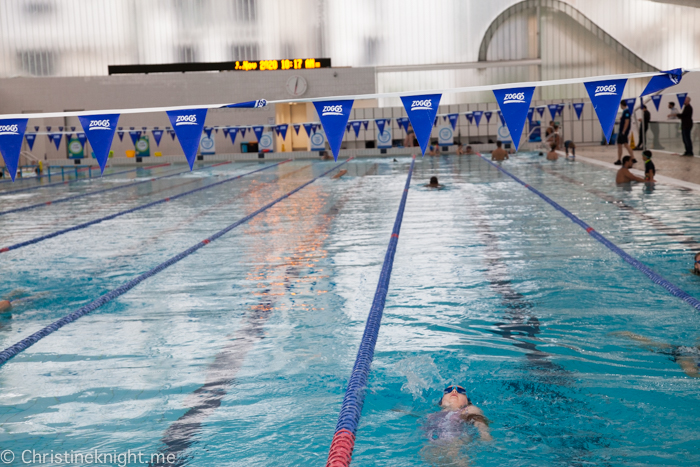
x: 186, y: 54
x: 249, y: 51
x: 37, y: 62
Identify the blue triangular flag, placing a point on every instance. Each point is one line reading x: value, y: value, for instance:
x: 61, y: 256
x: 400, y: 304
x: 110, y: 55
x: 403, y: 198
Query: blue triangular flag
x: 470, y: 117
x: 578, y: 107
x: 657, y: 100
x: 540, y: 110
x: 36, y: 128
x: 681, y: 98
x: 11, y: 134
x: 69, y: 136
x: 488, y: 114
x: 605, y: 98
x: 334, y: 116
x: 356, y: 125
x: 99, y: 130
x: 453, y: 120
x: 661, y: 82
x: 500, y: 116
x: 347, y: 128
x: 60, y: 128
x: 207, y: 130
x: 553, y: 109
x: 365, y: 123
x: 477, y: 117
x: 380, y: 122
x: 296, y: 128
x: 530, y: 113
x: 243, y: 130
x: 134, y: 136
x: 282, y: 130
x: 120, y: 133
x: 232, y: 132
x: 188, y: 125
x: 72, y: 128
x: 630, y: 103
x: 421, y: 112
x: 30, y: 137
x: 225, y: 131
x: 560, y: 109
x: 307, y: 127
x: 258, y: 130
x: 144, y: 128
x: 82, y: 137
x: 57, y: 139
x: 172, y: 134
x: 514, y: 104
x: 157, y: 135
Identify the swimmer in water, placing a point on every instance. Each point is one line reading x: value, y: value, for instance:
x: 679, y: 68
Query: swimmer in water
x: 7, y: 303
x: 696, y: 265
x: 449, y: 429
x: 434, y: 183
x: 688, y: 358
x: 340, y: 173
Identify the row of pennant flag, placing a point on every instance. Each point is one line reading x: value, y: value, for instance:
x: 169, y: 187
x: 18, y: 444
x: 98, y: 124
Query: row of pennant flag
x: 188, y: 124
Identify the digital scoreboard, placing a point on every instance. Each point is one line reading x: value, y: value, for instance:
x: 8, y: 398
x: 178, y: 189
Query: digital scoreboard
x: 239, y: 65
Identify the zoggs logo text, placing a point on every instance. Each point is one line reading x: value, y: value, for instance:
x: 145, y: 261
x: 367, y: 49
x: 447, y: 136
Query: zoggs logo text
x: 186, y: 120
x: 514, y: 97
x: 609, y: 90
x: 422, y: 105
x: 99, y: 125
x: 332, y: 110
x: 9, y: 130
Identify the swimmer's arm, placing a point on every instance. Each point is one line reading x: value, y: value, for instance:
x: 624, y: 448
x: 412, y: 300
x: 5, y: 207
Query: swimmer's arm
x: 689, y: 366
x: 645, y: 341
x: 475, y: 416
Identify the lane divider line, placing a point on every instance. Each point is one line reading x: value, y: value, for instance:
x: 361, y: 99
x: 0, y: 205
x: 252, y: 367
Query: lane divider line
x: 340, y: 453
x: 69, y: 198
x: 653, y: 276
x: 27, y: 342
x: 84, y: 225
x: 66, y: 182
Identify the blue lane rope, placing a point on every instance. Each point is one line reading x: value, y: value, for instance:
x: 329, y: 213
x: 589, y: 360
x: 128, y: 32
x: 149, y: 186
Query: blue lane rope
x: 27, y: 342
x: 655, y: 278
x: 67, y: 182
x: 84, y: 225
x: 69, y: 198
x: 351, y: 410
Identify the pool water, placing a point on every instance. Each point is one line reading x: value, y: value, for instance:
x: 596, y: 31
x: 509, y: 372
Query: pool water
x: 239, y: 354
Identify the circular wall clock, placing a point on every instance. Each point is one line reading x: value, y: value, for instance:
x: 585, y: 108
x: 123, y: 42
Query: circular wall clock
x: 296, y: 86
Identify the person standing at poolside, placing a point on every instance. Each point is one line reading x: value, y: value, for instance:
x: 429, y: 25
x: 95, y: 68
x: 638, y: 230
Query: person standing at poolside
x: 410, y: 137
x: 623, y: 133
x: 686, y: 126
x: 624, y: 175
x: 643, y: 127
x: 499, y: 154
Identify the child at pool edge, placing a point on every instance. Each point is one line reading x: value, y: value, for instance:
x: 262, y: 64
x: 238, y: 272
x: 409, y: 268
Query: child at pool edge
x: 649, y: 168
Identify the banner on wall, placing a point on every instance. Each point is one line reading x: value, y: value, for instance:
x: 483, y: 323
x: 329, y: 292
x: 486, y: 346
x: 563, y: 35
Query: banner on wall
x: 356, y: 127
x: 681, y: 98
x: 605, y: 98
x: 143, y: 146
x: 578, y: 107
x: 318, y: 140
x: 266, y: 142
x: 188, y: 125
x: 656, y: 100
x: 384, y: 138
x: 11, y: 135
x: 232, y: 132
x: 30, y: 137
x: 446, y: 136
x: 207, y: 145
x: 99, y: 130
x: 630, y: 103
x: 421, y: 112
x: 75, y: 149
x: 157, y: 135
x: 514, y: 105
x: 334, y: 116
x: 453, y: 120
x: 661, y: 82
x: 488, y: 114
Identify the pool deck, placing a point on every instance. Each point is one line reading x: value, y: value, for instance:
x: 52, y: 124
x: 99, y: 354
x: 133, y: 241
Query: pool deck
x: 671, y: 169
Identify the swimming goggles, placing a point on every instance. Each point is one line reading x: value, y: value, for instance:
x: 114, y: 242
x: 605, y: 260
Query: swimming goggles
x: 459, y: 389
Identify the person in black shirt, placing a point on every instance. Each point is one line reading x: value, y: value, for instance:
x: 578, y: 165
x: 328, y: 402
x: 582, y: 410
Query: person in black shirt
x: 649, y: 169
x: 686, y: 125
x: 643, y: 127
x: 623, y: 133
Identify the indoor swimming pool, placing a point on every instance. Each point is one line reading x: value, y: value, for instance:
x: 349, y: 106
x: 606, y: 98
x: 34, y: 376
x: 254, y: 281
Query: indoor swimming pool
x: 239, y: 354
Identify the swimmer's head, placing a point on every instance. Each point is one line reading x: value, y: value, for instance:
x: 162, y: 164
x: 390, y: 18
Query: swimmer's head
x: 646, y: 155
x: 540, y: 154
x: 696, y: 266
x: 433, y: 180
x: 498, y: 144
x: 627, y: 159
x: 454, y: 397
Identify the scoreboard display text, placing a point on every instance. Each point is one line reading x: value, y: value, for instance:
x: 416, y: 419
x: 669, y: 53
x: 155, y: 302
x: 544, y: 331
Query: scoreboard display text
x: 286, y: 64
